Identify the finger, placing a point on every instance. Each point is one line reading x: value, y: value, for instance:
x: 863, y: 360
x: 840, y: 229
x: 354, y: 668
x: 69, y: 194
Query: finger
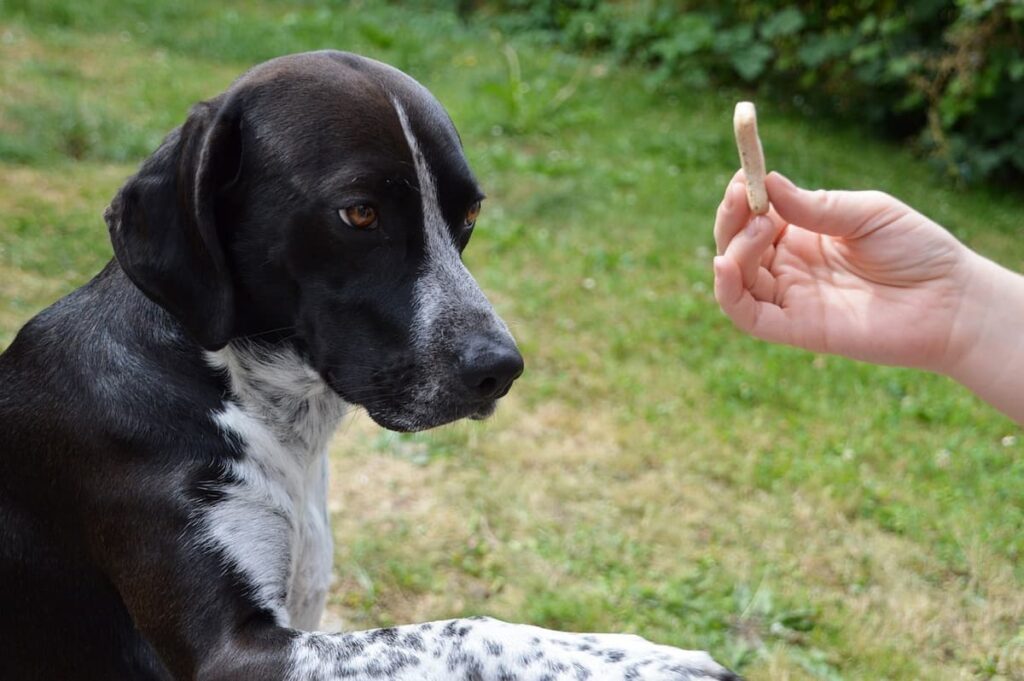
x: 728, y: 285
x: 741, y: 177
x: 768, y: 257
x: 764, y: 320
x: 836, y: 213
x: 733, y: 213
x: 764, y: 286
x: 749, y: 245
x: 776, y: 219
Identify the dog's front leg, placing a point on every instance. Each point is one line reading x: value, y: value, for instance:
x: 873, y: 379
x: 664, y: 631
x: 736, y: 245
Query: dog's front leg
x: 484, y: 649
x: 205, y: 620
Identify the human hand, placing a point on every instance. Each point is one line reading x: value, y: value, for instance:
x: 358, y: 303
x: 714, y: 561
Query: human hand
x: 863, y: 275
x: 858, y: 274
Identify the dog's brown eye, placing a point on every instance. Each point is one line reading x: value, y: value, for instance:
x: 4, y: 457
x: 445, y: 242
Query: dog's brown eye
x: 360, y: 216
x: 472, y: 214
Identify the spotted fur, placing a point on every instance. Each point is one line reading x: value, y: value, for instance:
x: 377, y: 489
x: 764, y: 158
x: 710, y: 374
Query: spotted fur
x: 479, y: 649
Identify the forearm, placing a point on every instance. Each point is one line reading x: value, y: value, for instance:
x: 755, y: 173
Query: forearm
x: 991, y: 328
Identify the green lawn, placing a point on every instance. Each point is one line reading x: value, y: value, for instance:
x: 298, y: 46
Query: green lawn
x: 801, y: 516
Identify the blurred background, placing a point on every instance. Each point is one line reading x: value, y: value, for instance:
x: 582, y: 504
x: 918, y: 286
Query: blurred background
x: 801, y: 516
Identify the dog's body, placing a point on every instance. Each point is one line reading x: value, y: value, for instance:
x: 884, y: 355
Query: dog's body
x: 291, y: 250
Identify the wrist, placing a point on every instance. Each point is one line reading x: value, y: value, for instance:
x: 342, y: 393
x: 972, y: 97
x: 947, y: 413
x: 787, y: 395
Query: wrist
x: 986, y: 349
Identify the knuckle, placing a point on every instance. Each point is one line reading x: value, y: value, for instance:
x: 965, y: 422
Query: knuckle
x: 723, y: 208
x: 823, y: 200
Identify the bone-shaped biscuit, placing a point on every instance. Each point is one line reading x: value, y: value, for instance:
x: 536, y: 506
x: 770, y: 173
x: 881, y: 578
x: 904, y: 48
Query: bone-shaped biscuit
x: 744, y: 124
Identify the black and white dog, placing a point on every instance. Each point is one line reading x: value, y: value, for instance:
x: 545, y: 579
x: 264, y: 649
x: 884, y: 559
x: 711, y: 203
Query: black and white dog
x: 292, y: 249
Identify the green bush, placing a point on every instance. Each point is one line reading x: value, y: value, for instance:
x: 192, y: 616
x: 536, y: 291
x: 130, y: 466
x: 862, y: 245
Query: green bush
x: 947, y: 74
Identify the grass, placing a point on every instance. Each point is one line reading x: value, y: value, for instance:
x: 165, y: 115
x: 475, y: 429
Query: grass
x: 803, y: 517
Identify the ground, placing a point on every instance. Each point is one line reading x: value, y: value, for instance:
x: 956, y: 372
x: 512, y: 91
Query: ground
x: 654, y: 471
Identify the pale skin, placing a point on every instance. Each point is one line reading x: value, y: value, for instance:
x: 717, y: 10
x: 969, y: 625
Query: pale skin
x: 863, y: 275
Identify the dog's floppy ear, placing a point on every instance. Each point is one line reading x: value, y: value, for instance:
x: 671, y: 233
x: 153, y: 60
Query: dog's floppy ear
x: 163, y: 222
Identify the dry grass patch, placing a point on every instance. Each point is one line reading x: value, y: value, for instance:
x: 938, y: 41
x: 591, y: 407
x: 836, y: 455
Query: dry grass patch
x: 77, y: 188
x: 548, y: 499
x: 24, y: 294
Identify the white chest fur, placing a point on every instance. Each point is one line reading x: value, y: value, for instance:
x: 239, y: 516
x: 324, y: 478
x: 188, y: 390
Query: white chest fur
x: 272, y: 521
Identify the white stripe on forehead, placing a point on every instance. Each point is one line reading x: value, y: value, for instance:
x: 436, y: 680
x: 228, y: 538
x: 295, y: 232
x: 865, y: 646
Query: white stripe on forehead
x: 444, y: 281
x: 434, y: 227
x: 445, y: 292
x: 446, y: 296
x: 448, y: 306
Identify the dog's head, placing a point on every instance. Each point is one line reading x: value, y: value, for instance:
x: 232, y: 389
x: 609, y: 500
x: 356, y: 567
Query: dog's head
x: 324, y: 201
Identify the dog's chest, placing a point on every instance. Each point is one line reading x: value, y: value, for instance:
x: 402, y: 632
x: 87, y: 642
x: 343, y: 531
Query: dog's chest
x: 271, y: 519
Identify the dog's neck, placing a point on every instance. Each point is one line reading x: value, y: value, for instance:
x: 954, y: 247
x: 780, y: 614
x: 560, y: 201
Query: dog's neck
x: 276, y: 385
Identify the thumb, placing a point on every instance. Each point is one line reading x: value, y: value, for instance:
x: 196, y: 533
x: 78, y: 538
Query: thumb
x: 836, y: 213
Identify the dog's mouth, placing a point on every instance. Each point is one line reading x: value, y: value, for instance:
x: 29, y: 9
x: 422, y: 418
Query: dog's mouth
x: 411, y: 408
x: 411, y: 420
x: 485, y: 411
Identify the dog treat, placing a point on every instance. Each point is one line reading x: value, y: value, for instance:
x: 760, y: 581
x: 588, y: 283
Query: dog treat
x: 744, y: 124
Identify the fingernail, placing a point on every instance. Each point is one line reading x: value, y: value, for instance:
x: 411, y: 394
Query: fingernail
x: 758, y: 226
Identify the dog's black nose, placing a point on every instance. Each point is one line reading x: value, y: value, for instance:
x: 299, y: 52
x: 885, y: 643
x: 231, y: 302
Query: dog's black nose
x: 488, y: 367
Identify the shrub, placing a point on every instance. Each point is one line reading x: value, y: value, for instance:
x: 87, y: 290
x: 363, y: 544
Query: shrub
x: 948, y: 74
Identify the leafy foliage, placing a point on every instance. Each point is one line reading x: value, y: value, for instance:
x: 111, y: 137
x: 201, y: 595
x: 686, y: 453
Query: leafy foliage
x: 948, y: 74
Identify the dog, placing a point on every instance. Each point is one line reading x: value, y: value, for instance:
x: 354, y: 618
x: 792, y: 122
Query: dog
x: 293, y: 249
